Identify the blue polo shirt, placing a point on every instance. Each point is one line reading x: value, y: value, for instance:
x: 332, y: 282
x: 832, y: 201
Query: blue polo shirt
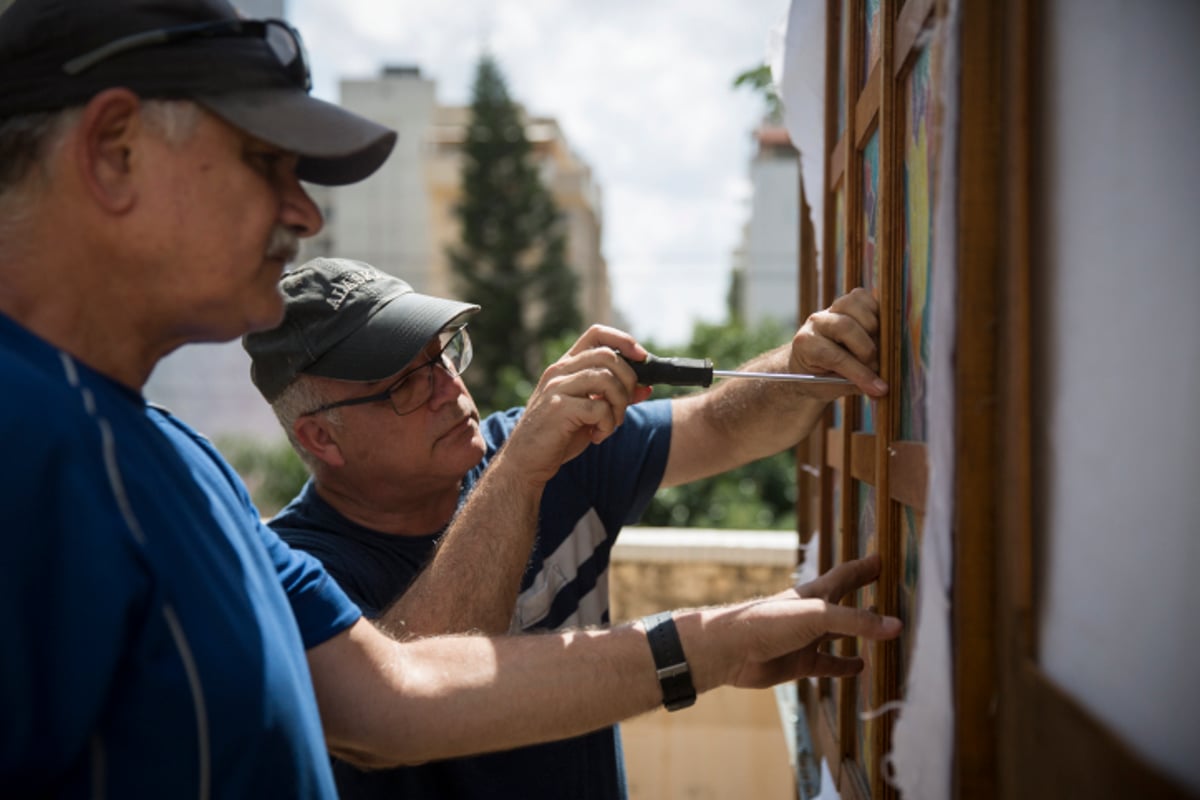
x: 155, y: 630
x: 565, y: 585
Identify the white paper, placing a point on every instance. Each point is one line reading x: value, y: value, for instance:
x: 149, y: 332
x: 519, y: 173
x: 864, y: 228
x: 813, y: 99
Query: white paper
x: 923, y: 738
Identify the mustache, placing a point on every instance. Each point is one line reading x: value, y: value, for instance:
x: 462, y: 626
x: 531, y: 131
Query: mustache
x: 284, y: 244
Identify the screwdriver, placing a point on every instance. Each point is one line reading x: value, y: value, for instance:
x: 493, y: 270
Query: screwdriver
x: 677, y: 371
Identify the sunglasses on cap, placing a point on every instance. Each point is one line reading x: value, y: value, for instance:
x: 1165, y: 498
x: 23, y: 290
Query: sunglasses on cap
x: 284, y: 41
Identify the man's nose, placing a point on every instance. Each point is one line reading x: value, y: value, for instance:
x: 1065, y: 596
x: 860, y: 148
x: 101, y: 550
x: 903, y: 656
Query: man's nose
x: 297, y: 210
x: 446, y: 384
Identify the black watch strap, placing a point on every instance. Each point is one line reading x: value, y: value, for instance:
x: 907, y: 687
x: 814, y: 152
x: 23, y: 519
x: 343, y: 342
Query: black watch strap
x: 671, y: 664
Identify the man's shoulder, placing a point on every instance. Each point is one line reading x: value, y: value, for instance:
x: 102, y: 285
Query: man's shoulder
x: 302, y: 525
x: 499, y: 424
x: 371, y: 567
x: 309, y: 523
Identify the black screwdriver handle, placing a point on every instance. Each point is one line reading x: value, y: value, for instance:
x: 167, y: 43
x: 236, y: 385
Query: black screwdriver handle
x: 673, y: 371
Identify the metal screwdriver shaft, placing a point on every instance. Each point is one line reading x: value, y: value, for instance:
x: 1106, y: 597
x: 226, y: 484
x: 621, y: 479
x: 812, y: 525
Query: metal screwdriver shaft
x: 798, y: 377
x: 700, y: 372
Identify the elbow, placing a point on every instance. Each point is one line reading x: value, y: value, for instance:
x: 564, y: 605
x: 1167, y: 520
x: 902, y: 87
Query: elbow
x: 368, y: 761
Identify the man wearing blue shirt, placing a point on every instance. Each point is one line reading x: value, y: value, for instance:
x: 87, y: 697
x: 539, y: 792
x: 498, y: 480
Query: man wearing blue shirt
x: 160, y: 641
x: 364, y: 376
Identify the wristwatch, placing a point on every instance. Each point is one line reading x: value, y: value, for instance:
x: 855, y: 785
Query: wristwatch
x: 674, y: 675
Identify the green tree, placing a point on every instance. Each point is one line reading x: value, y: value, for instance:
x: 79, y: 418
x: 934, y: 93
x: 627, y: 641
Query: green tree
x: 758, y: 79
x: 511, y: 255
x: 761, y: 494
x: 271, y: 470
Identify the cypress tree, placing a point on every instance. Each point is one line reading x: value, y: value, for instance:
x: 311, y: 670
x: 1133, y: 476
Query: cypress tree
x: 511, y: 254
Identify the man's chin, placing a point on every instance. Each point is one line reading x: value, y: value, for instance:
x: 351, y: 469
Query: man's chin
x: 265, y: 323
x: 269, y: 315
x: 468, y: 436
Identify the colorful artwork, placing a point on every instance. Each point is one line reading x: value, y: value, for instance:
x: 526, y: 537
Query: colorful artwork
x: 841, y: 68
x: 918, y: 250
x: 871, y: 250
x: 866, y: 699
x: 838, y: 537
x: 911, y: 525
x: 838, y: 555
x: 839, y: 237
x: 872, y: 37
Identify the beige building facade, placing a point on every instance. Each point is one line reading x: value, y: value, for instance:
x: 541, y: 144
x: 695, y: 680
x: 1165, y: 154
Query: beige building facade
x: 402, y: 218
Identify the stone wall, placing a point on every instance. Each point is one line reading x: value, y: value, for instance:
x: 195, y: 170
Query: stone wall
x: 730, y: 744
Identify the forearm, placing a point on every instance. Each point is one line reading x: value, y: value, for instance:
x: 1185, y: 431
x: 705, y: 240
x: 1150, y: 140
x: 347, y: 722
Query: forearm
x: 386, y: 702
x: 450, y: 696
x: 739, y: 421
x: 471, y: 582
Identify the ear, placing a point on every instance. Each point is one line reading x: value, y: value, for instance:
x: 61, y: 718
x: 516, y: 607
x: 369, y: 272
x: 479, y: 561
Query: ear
x: 104, y: 148
x: 316, y: 436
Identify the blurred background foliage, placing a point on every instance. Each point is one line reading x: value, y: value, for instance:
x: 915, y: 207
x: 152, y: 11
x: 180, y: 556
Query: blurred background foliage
x: 760, y: 495
x: 271, y: 469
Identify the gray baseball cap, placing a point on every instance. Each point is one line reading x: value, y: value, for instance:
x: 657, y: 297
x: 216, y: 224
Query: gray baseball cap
x: 254, y: 74
x: 347, y: 320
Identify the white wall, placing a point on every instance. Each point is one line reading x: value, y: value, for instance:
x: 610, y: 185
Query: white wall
x: 384, y: 220
x: 261, y: 9
x: 1119, y: 370
x: 773, y: 240
x: 208, y: 386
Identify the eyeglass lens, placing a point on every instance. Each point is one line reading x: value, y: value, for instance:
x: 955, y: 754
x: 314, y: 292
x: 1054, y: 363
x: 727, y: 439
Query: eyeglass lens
x: 415, y: 389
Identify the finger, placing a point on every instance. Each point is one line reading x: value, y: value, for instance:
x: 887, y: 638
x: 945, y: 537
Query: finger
x: 842, y: 579
x: 805, y: 663
x: 560, y: 418
x: 597, y: 384
x: 596, y: 358
x: 814, y: 352
x: 827, y: 665
x: 833, y: 331
x: 603, y: 336
x: 850, y: 335
x: 849, y: 621
x: 861, y: 305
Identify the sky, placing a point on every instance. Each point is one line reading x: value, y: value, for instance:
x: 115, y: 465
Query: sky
x: 643, y: 90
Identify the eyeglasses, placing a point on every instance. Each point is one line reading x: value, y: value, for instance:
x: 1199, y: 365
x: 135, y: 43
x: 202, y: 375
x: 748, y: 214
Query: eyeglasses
x: 282, y: 38
x: 414, y: 388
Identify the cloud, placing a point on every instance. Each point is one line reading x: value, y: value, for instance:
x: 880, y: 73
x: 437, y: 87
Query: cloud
x: 643, y: 91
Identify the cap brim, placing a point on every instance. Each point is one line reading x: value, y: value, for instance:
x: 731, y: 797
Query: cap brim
x: 335, y: 146
x: 390, y: 339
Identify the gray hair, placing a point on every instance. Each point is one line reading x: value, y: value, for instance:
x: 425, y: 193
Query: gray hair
x: 301, y: 396
x: 29, y: 141
x: 174, y: 120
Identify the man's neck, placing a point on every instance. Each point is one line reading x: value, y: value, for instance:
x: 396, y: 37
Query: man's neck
x: 69, y: 294
x: 397, y: 514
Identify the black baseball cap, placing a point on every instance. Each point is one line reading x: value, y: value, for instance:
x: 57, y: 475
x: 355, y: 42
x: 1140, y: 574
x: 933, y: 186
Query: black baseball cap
x: 254, y: 74
x: 347, y: 320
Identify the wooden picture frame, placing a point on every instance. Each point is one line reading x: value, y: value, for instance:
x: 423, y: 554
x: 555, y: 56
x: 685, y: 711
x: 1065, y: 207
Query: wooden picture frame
x: 1016, y: 734
x: 865, y: 484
